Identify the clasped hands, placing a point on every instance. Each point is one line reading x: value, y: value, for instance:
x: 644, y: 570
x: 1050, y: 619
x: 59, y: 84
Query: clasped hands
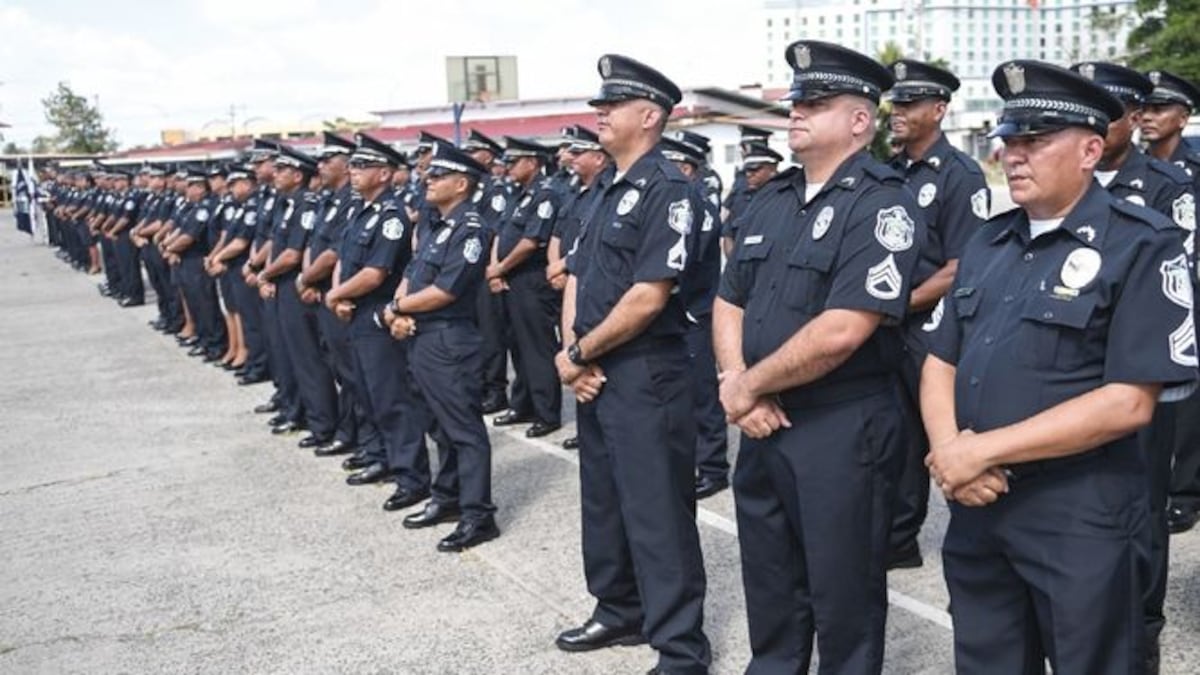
x: 757, y: 416
x: 958, y: 468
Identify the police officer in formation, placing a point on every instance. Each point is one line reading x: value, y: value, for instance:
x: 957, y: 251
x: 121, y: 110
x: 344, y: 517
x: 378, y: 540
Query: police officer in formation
x: 871, y: 326
x: 1084, y: 298
x: 531, y: 307
x: 825, y: 256
x: 954, y: 201
x: 625, y: 359
x: 759, y: 165
x: 1163, y: 120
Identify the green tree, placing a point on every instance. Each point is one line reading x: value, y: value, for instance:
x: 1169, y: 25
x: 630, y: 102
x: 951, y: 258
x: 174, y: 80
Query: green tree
x: 879, y: 147
x: 80, y: 126
x: 1168, y: 37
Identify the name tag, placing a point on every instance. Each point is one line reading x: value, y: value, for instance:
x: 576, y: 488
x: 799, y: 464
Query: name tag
x: 752, y: 240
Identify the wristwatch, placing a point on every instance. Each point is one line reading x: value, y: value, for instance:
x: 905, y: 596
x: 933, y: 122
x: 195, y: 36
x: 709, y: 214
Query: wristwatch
x: 575, y: 354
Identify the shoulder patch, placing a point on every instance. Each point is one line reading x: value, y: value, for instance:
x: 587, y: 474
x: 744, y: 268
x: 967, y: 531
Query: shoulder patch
x: 306, y: 219
x: 202, y: 215
x: 393, y: 229
x: 472, y: 250
x: 1183, y: 211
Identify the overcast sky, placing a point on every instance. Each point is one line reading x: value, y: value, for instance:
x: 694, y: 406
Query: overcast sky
x: 156, y: 65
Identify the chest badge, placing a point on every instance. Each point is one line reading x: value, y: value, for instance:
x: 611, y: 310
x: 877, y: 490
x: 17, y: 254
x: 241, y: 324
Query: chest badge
x: 371, y: 221
x: 628, y: 201
x: 1136, y: 199
x: 927, y: 193
x: 443, y: 236
x: 1080, y: 267
x: 822, y: 223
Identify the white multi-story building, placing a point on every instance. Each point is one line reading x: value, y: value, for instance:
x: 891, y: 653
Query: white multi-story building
x: 973, y: 37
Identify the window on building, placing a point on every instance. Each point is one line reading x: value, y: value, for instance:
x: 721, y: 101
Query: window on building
x: 820, y: 21
x: 768, y: 23
x: 787, y: 22
x: 731, y: 155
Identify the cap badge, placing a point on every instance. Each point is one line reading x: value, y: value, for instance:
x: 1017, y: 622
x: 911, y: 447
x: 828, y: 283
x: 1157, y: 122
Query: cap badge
x: 1155, y: 76
x: 605, y: 67
x: 1088, y: 70
x: 901, y: 70
x: 1014, y: 75
x: 802, y: 56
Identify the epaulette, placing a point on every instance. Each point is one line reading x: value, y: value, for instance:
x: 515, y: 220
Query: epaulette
x: 881, y: 172
x: 966, y: 162
x: 1175, y: 173
x: 312, y: 197
x: 472, y: 219
x: 1143, y: 214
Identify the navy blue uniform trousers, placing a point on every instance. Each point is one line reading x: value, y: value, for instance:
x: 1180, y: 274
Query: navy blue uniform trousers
x: 641, y: 550
x: 314, y: 381
x: 814, y: 506
x: 446, y: 361
x: 712, y: 440
x: 1054, y: 569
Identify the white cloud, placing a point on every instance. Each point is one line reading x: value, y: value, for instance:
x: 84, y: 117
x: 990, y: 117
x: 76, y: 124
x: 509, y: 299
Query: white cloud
x: 297, y: 59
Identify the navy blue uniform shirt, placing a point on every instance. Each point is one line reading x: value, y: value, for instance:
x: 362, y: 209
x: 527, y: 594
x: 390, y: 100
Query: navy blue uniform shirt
x: 1105, y: 297
x: 853, y: 246
x: 532, y: 218
x: 380, y: 236
x: 641, y: 230
x: 453, y: 258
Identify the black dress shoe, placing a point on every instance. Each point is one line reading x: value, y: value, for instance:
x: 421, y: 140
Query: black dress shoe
x: 288, y: 427
x: 571, y: 443
x: 157, y: 324
x: 541, y: 428
x: 252, y: 379
x: 1180, y: 519
x: 511, y: 417
x: 494, y: 404
x: 403, y: 498
x: 197, y: 350
x: 905, y: 557
x: 707, y: 486
x: 595, y: 635
x: 356, y: 462
x: 336, y: 447
x: 173, y: 330
x: 213, y: 357
x: 469, y: 533
x: 229, y: 367
x: 313, y: 441
x: 375, y: 473
x: 131, y: 302
x: 432, y: 514
x: 277, y: 419
x: 190, y: 341
x: 268, y: 407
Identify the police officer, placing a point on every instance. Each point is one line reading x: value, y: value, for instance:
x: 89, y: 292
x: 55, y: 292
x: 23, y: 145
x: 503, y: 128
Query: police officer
x: 154, y: 216
x: 825, y: 255
x: 226, y: 263
x: 517, y: 273
x: 222, y: 228
x: 954, y: 200
x: 1129, y: 173
x: 699, y: 288
x: 434, y: 311
x: 128, y: 207
x: 759, y: 165
x: 1164, y: 117
x: 748, y: 136
x: 188, y: 244
x: 494, y: 204
x: 338, y: 205
x: 1069, y: 317
x: 623, y: 325
x: 375, y: 249
x: 701, y: 145
x: 315, y: 387
x: 588, y: 162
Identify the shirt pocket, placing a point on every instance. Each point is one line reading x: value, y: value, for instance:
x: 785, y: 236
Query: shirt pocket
x: 1053, y: 333
x: 620, y: 243
x: 806, y: 285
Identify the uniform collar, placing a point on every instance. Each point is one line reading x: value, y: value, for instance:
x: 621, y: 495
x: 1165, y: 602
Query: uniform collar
x: 456, y: 214
x: 1183, y: 154
x: 1087, y: 222
x: 935, y: 158
x: 639, y: 174
x: 847, y: 177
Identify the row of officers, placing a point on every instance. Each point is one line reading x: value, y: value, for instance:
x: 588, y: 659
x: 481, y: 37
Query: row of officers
x: 866, y: 326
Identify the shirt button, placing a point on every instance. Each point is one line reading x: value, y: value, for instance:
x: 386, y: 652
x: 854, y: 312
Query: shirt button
x: 974, y: 381
x: 1027, y: 257
x: 988, y: 340
x: 1008, y: 298
x: 1047, y: 315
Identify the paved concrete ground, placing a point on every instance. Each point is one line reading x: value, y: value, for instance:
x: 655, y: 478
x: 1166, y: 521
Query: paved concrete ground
x: 149, y: 523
